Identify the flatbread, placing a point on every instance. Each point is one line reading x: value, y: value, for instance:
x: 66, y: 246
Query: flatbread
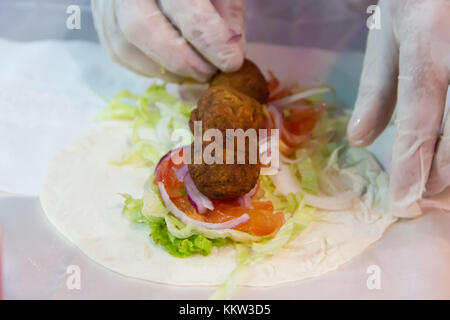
x: 80, y: 197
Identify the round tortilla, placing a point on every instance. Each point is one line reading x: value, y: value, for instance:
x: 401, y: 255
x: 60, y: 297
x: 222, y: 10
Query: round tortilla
x: 81, y: 198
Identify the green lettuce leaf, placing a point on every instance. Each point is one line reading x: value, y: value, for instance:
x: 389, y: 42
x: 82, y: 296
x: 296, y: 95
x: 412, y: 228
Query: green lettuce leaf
x: 180, y: 230
x: 181, y: 248
x: 132, y: 209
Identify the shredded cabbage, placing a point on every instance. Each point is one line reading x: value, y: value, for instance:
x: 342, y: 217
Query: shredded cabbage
x: 181, y: 248
x: 132, y: 208
x: 227, y: 288
x: 321, y: 152
x: 156, y: 113
x: 307, y: 172
x: 301, y: 218
x: 159, y: 232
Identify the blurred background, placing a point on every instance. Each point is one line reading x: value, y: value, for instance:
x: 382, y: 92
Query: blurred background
x: 326, y: 24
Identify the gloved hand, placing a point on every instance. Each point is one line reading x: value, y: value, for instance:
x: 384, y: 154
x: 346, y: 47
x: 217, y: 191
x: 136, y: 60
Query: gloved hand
x: 142, y: 35
x: 407, y: 64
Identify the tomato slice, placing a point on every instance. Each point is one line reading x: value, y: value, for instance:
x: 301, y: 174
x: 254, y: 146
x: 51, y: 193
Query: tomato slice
x: 166, y: 174
x: 263, y: 220
x: 301, y: 121
x: 298, y: 125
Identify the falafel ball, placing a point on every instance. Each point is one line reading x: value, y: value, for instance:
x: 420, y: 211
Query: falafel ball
x: 224, y: 181
x: 248, y: 79
x: 225, y: 108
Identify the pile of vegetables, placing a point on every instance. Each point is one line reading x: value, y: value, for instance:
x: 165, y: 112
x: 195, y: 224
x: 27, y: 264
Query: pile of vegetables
x: 312, y: 147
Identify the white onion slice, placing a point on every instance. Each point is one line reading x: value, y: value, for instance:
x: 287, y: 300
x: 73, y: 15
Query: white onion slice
x: 185, y: 219
x: 299, y: 96
x: 289, y: 161
x: 277, y: 118
x: 181, y: 172
x: 198, y: 199
x: 246, y: 200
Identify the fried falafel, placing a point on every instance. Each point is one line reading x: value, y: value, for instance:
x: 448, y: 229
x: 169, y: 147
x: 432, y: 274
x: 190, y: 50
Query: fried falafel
x: 224, y: 181
x: 232, y: 102
x: 225, y: 108
x: 248, y: 80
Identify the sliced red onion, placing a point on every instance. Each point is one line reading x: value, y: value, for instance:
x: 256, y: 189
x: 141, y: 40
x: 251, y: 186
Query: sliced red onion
x: 181, y: 172
x: 277, y: 118
x: 290, y: 138
x: 197, y: 199
x: 185, y: 219
x: 200, y: 202
x: 299, y: 96
x: 246, y: 200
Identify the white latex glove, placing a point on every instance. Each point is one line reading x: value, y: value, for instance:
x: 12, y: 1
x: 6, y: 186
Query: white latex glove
x: 142, y: 35
x: 407, y: 65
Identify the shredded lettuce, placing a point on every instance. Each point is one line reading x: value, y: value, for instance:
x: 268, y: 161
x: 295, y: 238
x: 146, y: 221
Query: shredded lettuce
x: 156, y: 111
x: 181, y: 230
x: 226, y: 290
x: 321, y: 151
x: 118, y: 109
x: 307, y: 172
x: 132, y: 209
x: 247, y: 254
x: 153, y: 205
x: 286, y: 204
x: 181, y: 248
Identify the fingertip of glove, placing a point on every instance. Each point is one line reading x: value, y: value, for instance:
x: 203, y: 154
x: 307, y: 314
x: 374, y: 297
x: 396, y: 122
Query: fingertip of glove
x: 231, y: 60
x: 357, y: 134
x: 410, y: 210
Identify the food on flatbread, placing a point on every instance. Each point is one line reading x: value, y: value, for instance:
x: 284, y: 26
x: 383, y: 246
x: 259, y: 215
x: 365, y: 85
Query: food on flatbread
x: 118, y: 194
